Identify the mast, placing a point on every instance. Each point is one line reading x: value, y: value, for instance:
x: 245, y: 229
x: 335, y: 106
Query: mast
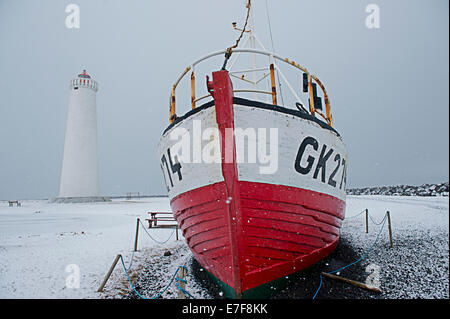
x: 252, y: 39
x: 271, y: 74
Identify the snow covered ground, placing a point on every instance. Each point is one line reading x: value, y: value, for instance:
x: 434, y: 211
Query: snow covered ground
x: 418, y: 264
x: 39, y: 240
x: 43, y: 245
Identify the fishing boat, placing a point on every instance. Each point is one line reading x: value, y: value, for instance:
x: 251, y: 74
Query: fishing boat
x: 257, y: 185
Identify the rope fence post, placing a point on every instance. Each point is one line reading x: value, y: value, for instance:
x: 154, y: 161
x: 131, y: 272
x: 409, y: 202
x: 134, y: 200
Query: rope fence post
x: 367, y: 220
x: 176, y: 231
x: 182, y: 280
x: 389, y: 228
x: 100, y: 289
x: 352, y: 282
x: 137, y: 235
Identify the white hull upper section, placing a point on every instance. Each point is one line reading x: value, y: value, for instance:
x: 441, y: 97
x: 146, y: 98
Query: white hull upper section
x: 271, y: 147
x: 295, y: 167
x: 198, y: 165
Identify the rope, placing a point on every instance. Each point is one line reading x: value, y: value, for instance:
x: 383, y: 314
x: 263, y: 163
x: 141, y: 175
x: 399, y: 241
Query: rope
x: 159, y: 242
x: 126, y: 272
x: 357, y: 261
x: 184, y: 291
x: 184, y: 281
x: 127, y: 269
x: 181, y: 288
x: 373, y: 221
x: 243, y: 29
x: 163, y: 291
x: 270, y: 28
x: 355, y: 215
x: 155, y: 240
x: 230, y: 49
x: 131, y: 261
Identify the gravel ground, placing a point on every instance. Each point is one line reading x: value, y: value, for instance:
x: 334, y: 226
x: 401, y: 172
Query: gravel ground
x: 417, y: 267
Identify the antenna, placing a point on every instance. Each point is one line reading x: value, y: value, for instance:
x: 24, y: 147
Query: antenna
x: 250, y: 42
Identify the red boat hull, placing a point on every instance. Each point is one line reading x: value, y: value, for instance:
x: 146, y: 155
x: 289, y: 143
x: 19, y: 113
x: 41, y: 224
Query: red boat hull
x: 285, y: 230
x: 247, y: 232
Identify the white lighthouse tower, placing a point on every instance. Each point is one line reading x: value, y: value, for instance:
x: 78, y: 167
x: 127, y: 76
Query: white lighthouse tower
x: 79, y: 174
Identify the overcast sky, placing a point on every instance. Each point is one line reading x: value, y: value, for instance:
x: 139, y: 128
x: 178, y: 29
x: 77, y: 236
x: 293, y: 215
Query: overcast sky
x: 388, y: 86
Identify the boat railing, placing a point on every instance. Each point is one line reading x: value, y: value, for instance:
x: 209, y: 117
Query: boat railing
x: 310, y: 80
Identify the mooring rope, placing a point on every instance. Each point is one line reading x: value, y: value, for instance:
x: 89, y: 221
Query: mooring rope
x: 373, y: 221
x: 243, y: 29
x: 357, y: 261
x: 159, y: 242
x: 163, y: 291
x: 229, y: 51
x: 355, y: 215
x: 131, y: 261
x: 371, y: 218
x: 182, y: 289
x: 184, y: 281
x: 127, y: 269
x: 155, y: 240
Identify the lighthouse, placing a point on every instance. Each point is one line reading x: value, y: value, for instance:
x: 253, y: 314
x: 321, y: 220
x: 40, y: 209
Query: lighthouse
x: 79, y: 174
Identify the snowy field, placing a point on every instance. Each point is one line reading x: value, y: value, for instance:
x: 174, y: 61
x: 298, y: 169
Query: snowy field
x: 39, y: 240
x: 43, y: 245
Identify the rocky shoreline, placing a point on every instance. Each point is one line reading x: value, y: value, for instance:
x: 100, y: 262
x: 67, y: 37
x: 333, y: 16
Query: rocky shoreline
x: 403, y: 190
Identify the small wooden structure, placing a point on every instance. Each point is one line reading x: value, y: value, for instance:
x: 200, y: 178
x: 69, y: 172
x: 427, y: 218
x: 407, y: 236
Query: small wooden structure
x: 133, y: 194
x: 12, y: 202
x: 156, y: 217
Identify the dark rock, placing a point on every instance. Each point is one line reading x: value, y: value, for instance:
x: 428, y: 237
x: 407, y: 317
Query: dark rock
x: 441, y: 189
